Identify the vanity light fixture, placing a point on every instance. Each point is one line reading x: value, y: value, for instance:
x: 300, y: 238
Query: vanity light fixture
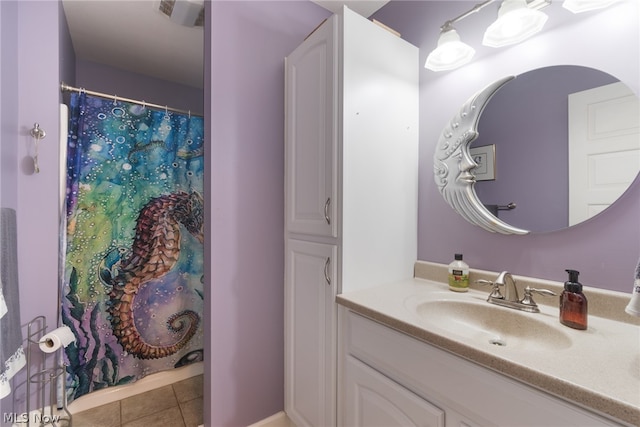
x: 451, y: 53
x: 516, y: 22
x: 578, y: 6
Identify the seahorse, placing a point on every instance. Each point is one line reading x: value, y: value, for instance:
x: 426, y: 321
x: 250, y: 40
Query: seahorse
x: 154, y: 252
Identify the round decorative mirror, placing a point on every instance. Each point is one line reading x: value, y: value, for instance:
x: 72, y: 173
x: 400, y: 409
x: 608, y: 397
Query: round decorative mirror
x: 540, y: 152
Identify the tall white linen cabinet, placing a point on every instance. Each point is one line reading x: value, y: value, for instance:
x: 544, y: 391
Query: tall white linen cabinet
x: 351, y: 190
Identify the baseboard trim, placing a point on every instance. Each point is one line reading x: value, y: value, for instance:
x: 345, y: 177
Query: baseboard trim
x: 279, y: 418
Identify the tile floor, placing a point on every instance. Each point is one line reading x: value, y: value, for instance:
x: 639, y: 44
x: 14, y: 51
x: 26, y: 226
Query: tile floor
x: 175, y: 405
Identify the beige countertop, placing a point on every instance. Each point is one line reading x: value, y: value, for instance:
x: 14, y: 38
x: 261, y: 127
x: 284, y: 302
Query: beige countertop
x: 598, y: 368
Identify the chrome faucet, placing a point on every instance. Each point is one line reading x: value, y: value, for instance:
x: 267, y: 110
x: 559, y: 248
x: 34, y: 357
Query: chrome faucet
x: 510, y: 298
x: 510, y: 290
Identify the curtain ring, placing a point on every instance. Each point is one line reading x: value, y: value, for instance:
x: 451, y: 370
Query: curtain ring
x: 189, y: 113
x: 115, y: 99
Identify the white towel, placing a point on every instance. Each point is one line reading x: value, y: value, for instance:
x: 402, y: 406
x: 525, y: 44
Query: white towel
x: 12, y: 357
x: 633, y: 308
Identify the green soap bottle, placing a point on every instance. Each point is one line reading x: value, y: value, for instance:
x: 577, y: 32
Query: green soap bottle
x: 459, y: 275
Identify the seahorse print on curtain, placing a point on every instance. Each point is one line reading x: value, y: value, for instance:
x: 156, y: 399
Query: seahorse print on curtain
x: 133, y: 263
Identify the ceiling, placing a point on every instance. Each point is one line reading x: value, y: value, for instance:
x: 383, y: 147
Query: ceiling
x: 363, y: 7
x: 135, y: 36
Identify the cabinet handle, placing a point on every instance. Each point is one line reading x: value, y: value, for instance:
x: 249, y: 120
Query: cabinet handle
x: 326, y: 210
x: 326, y: 271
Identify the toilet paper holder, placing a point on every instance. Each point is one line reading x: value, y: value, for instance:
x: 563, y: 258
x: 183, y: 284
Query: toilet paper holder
x: 46, y: 376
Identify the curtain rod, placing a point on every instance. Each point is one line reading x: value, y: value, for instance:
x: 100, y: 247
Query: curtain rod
x: 66, y: 88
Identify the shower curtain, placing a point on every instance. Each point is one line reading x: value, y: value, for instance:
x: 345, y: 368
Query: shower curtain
x: 132, y: 288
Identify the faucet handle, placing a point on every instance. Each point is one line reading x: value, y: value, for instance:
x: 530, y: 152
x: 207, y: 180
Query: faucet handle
x: 495, y: 290
x: 528, y: 299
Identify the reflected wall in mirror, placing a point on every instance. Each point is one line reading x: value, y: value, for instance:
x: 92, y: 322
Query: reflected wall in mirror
x: 555, y: 183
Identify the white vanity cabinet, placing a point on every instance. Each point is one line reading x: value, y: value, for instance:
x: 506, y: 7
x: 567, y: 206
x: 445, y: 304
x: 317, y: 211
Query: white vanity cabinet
x: 351, y: 176
x: 388, y: 375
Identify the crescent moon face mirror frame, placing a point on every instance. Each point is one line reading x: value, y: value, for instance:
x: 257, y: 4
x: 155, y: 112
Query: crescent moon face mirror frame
x: 454, y: 166
x: 456, y: 171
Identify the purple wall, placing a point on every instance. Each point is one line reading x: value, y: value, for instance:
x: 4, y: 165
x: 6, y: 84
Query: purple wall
x: 606, y: 248
x: 38, y: 95
x: 8, y: 123
x: 8, y: 99
x: 249, y: 40
x: 67, y: 56
x: 527, y: 121
x: 114, y: 81
x: 38, y: 100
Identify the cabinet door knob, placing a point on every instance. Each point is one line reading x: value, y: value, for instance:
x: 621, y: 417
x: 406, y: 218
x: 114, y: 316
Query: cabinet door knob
x: 327, y: 204
x: 326, y: 271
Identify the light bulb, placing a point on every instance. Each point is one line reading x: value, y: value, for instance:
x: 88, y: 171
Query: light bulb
x: 451, y: 53
x: 515, y: 23
x: 578, y: 6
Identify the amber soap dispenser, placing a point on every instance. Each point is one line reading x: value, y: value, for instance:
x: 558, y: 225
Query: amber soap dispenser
x: 573, y: 303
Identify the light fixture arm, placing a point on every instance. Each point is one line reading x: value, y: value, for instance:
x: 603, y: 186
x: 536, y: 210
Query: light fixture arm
x: 448, y: 25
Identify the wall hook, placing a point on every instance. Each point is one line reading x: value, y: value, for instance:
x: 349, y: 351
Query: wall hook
x: 37, y: 133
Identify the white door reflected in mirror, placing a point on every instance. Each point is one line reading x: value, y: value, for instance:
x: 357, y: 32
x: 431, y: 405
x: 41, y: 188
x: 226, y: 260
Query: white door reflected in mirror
x: 604, y: 148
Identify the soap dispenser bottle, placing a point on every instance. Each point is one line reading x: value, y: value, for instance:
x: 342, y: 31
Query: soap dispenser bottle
x: 458, y: 275
x: 573, y: 303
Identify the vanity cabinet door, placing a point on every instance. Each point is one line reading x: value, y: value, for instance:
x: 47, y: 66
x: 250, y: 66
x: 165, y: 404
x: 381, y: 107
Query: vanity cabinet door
x: 310, y: 325
x: 371, y: 400
x: 311, y: 134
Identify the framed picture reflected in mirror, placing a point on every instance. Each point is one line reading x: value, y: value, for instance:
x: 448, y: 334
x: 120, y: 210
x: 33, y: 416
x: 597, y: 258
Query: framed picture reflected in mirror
x: 485, y: 157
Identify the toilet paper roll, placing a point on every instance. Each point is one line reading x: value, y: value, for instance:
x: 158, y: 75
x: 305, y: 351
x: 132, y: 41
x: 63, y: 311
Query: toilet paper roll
x: 55, y: 339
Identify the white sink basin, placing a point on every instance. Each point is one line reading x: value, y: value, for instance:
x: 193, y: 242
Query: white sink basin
x: 479, y: 322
